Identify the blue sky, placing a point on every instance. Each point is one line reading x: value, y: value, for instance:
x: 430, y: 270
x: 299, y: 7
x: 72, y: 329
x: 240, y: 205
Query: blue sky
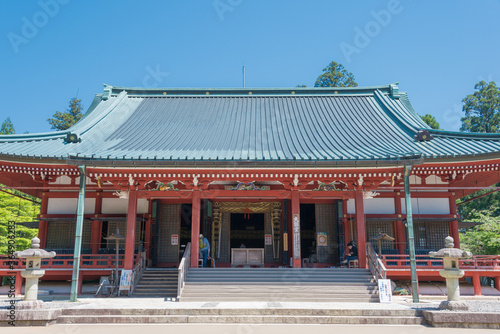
x: 53, y: 50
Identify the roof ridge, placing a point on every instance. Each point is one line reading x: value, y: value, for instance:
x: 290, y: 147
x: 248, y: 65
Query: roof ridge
x: 203, y: 91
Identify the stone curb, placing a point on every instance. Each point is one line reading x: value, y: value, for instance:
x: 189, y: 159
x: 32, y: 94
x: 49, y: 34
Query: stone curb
x: 462, y: 319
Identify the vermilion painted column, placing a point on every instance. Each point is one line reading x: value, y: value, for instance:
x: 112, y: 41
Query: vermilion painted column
x: 497, y: 282
x: 19, y: 283
x: 400, y: 228
x: 96, y: 232
x: 454, y: 223
x: 43, y: 224
x: 195, y: 228
x: 296, y: 229
x: 95, y: 236
x: 361, y: 229
x: 131, y: 221
x: 476, y: 282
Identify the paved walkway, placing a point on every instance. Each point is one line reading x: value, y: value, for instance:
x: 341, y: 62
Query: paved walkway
x: 238, y: 329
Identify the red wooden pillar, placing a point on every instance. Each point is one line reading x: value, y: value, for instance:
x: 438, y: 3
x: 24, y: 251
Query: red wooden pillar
x: 195, y: 228
x: 19, y: 283
x: 296, y: 229
x: 131, y: 221
x: 454, y: 223
x: 476, y: 282
x: 497, y: 282
x: 96, y: 233
x: 95, y: 236
x: 361, y: 229
x: 43, y: 224
x: 400, y: 228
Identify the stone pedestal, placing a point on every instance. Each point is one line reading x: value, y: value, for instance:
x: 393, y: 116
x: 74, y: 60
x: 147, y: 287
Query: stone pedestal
x: 31, y: 286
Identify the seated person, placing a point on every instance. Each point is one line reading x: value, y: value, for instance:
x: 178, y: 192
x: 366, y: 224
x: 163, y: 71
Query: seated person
x: 351, y: 253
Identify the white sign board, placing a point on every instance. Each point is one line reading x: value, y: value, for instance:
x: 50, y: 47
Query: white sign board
x: 125, y: 280
x: 296, y: 236
x: 385, y: 290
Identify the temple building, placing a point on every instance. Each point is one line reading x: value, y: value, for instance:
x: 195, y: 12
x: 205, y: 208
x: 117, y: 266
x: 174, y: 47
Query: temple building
x: 292, y: 173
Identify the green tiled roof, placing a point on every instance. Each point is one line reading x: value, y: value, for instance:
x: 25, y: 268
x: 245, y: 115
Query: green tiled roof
x: 326, y: 126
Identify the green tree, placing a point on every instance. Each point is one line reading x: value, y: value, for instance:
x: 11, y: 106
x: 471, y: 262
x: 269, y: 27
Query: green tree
x: 63, y: 121
x: 482, y: 109
x: 430, y: 121
x: 486, y: 205
x: 16, y: 209
x: 482, y: 239
x: 335, y: 75
x: 7, y: 127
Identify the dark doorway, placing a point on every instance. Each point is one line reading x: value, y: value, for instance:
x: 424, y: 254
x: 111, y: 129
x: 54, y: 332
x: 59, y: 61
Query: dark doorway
x: 185, y: 230
x: 307, y: 231
x: 247, y: 230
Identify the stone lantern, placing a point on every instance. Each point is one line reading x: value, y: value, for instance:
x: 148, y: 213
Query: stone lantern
x: 451, y: 272
x: 32, y: 273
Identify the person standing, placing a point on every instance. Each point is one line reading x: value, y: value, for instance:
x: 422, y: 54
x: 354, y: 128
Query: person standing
x: 204, y: 249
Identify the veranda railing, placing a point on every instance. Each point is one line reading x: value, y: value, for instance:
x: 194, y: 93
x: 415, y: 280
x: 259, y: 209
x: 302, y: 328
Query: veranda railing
x: 183, y: 269
x: 375, y: 265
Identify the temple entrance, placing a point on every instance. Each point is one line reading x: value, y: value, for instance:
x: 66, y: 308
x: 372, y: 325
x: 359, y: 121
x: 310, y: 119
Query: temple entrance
x: 254, y: 225
x: 308, y: 247
x: 319, y: 237
x: 247, y: 230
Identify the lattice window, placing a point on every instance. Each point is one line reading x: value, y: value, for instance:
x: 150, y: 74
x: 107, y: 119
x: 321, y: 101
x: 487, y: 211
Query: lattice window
x: 373, y: 228
x: 170, y: 222
x: 121, y: 225
x: 430, y: 235
x: 326, y: 222
x: 61, y: 234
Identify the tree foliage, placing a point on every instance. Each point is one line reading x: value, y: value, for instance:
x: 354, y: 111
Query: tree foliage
x: 430, y: 121
x: 7, y: 127
x: 335, y: 75
x: 63, y: 121
x: 482, y: 239
x: 487, y: 205
x: 482, y: 109
x: 16, y: 209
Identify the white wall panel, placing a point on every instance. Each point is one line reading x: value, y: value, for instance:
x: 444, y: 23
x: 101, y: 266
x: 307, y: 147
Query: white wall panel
x: 380, y: 206
x: 351, y: 206
x: 439, y: 206
x: 114, y: 205
x: 69, y: 206
x: 120, y: 206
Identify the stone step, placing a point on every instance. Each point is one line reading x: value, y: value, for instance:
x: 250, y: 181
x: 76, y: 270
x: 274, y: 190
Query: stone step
x: 282, y: 288
x: 249, y: 319
x: 276, y: 294
x: 279, y: 278
x: 245, y: 311
x: 303, y: 299
x: 243, y: 283
x: 316, y: 270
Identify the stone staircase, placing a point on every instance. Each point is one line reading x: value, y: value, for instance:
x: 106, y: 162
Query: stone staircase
x: 157, y: 282
x: 212, y: 314
x: 279, y: 285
